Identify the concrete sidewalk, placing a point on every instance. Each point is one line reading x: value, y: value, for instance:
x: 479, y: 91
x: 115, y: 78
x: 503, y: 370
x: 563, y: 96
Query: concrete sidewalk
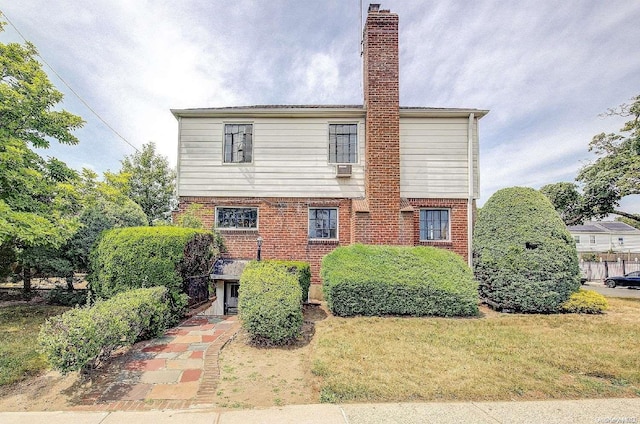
x: 566, y: 411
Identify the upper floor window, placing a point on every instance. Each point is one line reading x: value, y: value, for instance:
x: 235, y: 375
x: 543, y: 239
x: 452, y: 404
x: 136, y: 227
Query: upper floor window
x: 343, y: 143
x: 576, y: 239
x: 238, y: 143
x: 434, y: 224
x: 237, y: 218
x: 592, y: 239
x: 621, y: 241
x: 323, y: 223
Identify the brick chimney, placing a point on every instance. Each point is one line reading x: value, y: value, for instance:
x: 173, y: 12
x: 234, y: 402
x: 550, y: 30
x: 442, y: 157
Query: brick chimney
x: 381, y: 102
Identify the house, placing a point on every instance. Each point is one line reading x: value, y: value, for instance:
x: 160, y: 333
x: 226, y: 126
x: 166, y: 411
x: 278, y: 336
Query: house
x: 304, y: 179
x: 606, y: 237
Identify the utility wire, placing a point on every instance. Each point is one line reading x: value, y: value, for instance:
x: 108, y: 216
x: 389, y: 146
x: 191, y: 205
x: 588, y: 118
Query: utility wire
x: 70, y: 88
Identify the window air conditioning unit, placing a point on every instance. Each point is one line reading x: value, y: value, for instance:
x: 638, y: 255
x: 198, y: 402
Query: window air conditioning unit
x: 343, y: 171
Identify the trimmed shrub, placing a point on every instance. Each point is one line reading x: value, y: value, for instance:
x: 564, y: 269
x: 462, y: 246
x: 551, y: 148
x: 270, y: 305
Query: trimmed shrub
x: 302, y: 270
x: 585, y: 302
x: 134, y: 257
x: 398, y: 280
x: 83, y: 337
x: 269, y: 303
x: 525, y: 260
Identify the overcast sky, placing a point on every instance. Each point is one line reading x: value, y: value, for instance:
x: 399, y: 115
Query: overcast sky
x: 546, y: 69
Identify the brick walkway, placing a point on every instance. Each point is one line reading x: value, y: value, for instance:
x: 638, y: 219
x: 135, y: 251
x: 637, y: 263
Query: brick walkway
x: 177, y: 371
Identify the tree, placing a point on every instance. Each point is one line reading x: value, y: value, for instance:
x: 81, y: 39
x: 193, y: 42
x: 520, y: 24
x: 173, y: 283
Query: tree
x: 38, y: 200
x: 105, y: 207
x: 567, y: 201
x: 151, y: 182
x: 616, y: 172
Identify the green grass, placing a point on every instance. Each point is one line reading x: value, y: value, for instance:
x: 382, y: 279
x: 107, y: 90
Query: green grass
x: 19, y: 327
x: 496, y: 357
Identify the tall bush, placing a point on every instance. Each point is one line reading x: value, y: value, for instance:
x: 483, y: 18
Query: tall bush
x: 127, y: 258
x: 83, y: 337
x: 269, y: 303
x: 395, y: 280
x: 302, y: 271
x: 524, y: 257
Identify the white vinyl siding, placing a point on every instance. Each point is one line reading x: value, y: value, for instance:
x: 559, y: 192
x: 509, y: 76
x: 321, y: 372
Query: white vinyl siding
x: 603, y: 242
x: 434, y: 158
x: 289, y: 159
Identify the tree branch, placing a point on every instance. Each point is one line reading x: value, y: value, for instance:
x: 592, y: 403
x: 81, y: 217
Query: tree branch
x: 627, y: 215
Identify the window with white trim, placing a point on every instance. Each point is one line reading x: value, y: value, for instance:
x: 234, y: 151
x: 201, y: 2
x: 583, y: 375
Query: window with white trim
x: 343, y: 143
x: 323, y: 223
x: 434, y: 224
x: 238, y: 143
x: 576, y: 239
x: 236, y: 218
x: 592, y: 239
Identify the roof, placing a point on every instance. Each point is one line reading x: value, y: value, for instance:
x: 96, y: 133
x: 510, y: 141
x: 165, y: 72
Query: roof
x: 608, y: 227
x: 319, y: 110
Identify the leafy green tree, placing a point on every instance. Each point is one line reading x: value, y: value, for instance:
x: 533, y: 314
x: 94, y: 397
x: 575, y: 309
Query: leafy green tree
x: 151, y: 182
x: 615, y: 173
x: 38, y: 200
x: 567, y: 201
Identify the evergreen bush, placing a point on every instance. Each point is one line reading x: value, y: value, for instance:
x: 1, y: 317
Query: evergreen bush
x: 270, y: 303
x: 398, y: 280
x: 134, y: 257
x: 83, y: 337
x: 525, y: 259
x: 301, y: 269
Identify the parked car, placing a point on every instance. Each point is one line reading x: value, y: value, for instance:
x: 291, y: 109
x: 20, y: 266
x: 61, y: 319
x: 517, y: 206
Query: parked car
x: 631, y: 279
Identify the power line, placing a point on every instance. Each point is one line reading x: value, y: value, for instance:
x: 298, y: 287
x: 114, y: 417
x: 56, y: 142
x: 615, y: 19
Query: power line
x: 70, y: 88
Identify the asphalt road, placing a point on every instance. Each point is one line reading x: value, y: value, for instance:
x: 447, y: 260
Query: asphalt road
x: 615, y: 292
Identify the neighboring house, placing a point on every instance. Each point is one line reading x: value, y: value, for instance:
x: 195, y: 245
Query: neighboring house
x: 306, y: 179
x: 606, y: 237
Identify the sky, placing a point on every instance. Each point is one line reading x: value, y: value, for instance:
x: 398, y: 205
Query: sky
x: 547, y: 70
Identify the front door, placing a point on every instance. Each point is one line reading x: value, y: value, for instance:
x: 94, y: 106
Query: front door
x: 231, y: 297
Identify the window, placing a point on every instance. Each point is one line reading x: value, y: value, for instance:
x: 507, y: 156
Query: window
x: 434, y: 224
x: 576, y: 239
x: 621, y: 241
x: 237, y: 218
x: 343, y: 143
x: 323, y: 223
x: 592, y: 239
x: 238, y: 143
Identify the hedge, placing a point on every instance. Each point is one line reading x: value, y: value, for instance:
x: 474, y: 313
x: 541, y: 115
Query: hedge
x: 585, y: 302
x: 270, y: 303
x: 398, y: 280
x: 134, y: 257
x: 302, y: 270
x: 525, y: 260
x: 83, y: 337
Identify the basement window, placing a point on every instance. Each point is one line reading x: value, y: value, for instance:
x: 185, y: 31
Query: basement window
x: 323, y: 223
x: 237, y: 218
x: 238, y: 143
x: 434, y: 225
x: 343, y: 143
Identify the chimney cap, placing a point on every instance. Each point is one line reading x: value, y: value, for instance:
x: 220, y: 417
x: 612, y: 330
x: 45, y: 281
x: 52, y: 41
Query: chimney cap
x: 374, y: 7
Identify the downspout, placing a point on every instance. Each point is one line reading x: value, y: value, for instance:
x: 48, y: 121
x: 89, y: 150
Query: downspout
x: 178, y: 160
x: 471, y: 190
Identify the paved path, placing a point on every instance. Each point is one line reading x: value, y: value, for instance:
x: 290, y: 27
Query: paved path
x: 592, y: 411
x: 615, y: 292
x: 176, y: 371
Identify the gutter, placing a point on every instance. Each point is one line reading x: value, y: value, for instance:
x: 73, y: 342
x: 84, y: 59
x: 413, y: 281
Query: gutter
x: 471, y: 190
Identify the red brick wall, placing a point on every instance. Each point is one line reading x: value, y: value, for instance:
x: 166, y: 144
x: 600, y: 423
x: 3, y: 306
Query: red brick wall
x: 282, y: 224
x: 382, y: 150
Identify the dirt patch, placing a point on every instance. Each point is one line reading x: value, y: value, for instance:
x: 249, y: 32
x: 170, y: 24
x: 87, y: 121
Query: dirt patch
x: 48, y: 392
x: 269, y: 376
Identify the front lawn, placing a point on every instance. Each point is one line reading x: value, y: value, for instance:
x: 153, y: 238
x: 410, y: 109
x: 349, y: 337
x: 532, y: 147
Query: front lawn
x: 19, y: 327
x: 496, y: 357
